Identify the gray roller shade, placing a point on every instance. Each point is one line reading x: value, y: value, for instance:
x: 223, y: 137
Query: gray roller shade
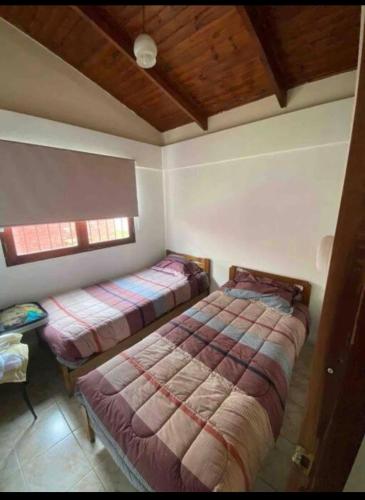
x: 41, y: 184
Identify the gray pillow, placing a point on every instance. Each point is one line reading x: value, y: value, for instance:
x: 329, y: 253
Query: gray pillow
x: 271, y: 300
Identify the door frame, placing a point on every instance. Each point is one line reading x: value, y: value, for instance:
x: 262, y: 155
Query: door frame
x: 334, y: 423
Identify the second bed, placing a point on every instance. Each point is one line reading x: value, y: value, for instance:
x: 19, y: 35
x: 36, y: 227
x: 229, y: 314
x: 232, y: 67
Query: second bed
x: 88, y: 326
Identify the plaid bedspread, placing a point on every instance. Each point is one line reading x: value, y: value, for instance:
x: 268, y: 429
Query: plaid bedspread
x: 196, y: 405
x: 93, y: 319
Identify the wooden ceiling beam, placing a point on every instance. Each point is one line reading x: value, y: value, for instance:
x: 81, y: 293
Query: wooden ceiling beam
x: 263, y: 46
x: 106, y: 25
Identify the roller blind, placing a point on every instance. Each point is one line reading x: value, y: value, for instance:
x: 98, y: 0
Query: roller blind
x: 40, y: 184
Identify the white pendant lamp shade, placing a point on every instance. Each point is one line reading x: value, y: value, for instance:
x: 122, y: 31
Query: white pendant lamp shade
x: 145, y: 51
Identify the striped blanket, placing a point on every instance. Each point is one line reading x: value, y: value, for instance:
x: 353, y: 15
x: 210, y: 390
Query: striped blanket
x: 197, y: 404
x: 93, y: 319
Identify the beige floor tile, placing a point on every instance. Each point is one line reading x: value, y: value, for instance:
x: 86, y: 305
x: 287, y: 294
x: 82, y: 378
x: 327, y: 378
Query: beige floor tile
x: 11, y: 402
x: 276, y: 469
x: 285, y: 446
x: 112, y: 477
x: 12, y: 429
x: 15, y: 406
x: 89, y: 483
x: 95, y: 452
x: 8, y: 464
x: 71, y: 410
x: 13, y: 483
x: 59, y: 468
x: 303, y: 363
x: 41, y: 397
x: 261, y: 486
x: 292, y: 421
x: 298, y: 389
x: 47, y: 430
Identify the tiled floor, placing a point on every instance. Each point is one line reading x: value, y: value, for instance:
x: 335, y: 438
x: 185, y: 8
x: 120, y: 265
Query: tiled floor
x: 53, y: 453
x: 274, y: 473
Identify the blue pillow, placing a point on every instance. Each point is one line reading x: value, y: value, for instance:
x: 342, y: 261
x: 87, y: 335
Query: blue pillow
x: 271, y: 300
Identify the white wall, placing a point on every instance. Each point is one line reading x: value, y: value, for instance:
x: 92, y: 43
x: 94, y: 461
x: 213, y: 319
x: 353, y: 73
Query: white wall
x: 37, y: 82
x: 260, y: 195
x: 33, y: 281
x: 304, y: 96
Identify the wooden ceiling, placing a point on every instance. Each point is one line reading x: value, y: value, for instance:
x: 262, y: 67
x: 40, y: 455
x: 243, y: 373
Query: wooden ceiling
x: 210, y: 58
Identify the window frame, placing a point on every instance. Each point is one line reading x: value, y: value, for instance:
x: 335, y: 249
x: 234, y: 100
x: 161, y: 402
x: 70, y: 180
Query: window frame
x: 13, y: 259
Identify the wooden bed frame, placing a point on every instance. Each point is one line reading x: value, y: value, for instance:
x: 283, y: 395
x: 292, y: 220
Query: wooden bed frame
x: 70, y: 375
x: 304, y: 285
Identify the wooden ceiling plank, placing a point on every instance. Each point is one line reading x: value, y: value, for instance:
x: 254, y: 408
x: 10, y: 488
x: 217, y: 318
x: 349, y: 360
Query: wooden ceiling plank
x: 263, y: 47
x: 108, y: 28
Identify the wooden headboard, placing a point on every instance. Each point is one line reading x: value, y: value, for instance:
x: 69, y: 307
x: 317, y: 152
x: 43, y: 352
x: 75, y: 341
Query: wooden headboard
x: 304, y: 285
x: 201, y: 261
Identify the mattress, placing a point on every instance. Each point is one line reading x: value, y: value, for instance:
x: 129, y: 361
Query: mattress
x: 197, y: 405
x: 91, y: 320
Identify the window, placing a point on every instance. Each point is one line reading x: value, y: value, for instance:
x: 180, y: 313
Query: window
x: 23, y: 244
x: 107, y: 230
x: 44, y: 237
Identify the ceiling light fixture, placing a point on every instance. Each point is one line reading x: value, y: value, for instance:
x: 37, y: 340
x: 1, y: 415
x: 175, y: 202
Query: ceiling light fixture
x: 145, y: 48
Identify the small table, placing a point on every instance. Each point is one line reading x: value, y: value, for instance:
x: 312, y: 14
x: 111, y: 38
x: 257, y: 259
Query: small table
x: 21, y: 318
x: 14, y: 322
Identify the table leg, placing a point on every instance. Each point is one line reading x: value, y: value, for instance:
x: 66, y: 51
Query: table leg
x: 27, y: 400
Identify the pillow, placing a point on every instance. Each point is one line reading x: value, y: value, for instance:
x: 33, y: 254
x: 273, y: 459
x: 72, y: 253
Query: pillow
x: 177, y: 264
x: 265, y: 286
x: 270, y: 299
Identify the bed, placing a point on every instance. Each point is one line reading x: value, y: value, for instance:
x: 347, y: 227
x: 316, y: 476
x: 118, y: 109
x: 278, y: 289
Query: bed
x: 88, y: 326
x: 197, y: 405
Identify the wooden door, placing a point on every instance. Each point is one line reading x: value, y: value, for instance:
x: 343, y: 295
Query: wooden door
x: 334, y: 423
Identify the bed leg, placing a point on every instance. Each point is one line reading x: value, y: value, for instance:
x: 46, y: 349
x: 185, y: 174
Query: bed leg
x: 68, y: 381
x: 89, y: 430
